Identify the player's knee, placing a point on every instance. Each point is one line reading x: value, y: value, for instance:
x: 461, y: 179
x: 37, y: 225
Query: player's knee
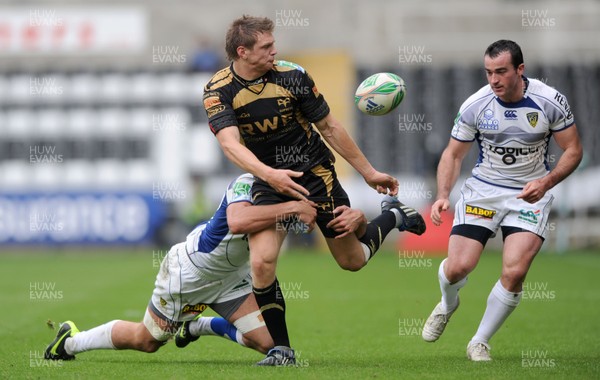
x: 145, y: 342
x: 263, y: 269
x: 456, y: 275
x: 352, y: 267
x: 151, y: 346
x: 513, y: 278
x: 455, y: 272
x: 262, y: 263
x: 351, y: 264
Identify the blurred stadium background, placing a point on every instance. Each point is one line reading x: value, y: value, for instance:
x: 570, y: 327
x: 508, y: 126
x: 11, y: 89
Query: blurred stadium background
x: 103, y: 140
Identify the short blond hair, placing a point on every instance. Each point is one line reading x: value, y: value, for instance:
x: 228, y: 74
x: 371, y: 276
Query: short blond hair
x: 244, y: 32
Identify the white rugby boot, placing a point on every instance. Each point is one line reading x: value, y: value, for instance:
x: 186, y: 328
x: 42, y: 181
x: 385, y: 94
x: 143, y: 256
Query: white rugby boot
x: 436, y: 323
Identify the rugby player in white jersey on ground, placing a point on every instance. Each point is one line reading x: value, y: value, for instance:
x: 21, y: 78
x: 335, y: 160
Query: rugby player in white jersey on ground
x: 512, y: 118
x: 210, y: 269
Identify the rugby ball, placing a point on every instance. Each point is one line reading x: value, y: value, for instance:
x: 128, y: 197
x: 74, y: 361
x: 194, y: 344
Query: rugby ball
x: 379, y: 94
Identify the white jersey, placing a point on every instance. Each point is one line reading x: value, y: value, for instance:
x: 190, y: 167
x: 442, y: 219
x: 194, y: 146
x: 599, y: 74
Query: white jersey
x: 211, y: 245
x: 513, y: 137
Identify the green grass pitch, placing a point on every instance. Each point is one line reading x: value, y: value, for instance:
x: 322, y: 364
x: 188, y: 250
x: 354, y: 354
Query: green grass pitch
x: 342, y: 325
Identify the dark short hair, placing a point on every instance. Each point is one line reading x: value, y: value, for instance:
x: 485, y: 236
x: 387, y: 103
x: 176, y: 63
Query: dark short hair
x: 244, y: 32
x: 501, y: 46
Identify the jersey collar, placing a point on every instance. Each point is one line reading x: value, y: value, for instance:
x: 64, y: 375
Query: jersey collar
x: 521, y: 103
x: 249, y: 83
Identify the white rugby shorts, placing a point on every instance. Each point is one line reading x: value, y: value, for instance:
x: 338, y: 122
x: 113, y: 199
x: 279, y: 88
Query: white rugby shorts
x: 490, y: 206
x: 182, y: 290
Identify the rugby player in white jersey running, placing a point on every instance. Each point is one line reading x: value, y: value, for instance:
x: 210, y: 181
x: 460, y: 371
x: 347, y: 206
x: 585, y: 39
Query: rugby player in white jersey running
x: 512, y: 118
x: 210, y: 269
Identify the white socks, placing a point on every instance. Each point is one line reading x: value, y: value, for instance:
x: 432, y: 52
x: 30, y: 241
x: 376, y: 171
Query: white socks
x: 500, y: 304
x: 449, y: 291
x: 397, y: 215
x: 201, y: 326
x: 218, y: 327
x: 366, y: 251
x: 96, y: 338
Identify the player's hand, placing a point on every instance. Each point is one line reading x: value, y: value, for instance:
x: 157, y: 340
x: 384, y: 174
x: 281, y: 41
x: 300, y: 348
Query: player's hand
x: 306, y: 213
x: 383, y: 183
x: 533, y: 191
x: 347, y: 221
x: 436, y: 210
x: 281, y: 181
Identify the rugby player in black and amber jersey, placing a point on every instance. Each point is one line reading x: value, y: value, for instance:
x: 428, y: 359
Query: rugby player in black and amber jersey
x: 262, y: 112
x: 273, y: 114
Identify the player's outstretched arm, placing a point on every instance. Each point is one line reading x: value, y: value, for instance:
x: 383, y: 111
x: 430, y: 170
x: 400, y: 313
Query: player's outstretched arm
x: 568, y: 141
x: 245, y: 218
x: 339, y: 139
x: 236, y: 152
x: 447, y: 174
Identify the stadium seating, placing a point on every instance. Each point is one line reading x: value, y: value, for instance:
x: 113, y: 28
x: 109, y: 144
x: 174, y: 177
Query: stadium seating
x: 111, y: 129
x: 105, y: 126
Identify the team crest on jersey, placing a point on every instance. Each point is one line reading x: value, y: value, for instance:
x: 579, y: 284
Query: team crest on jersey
x: 324, y: 206
x: 532, y: 118
x: 284, y: 102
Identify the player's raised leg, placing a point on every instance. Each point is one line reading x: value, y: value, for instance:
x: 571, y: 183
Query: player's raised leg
x: 352, y: 252
x: 519, y: 251
x: 410, y: 220
x: 463, y: 256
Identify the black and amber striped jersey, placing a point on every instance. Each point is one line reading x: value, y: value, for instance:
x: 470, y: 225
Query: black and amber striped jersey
x: 273, y: 113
